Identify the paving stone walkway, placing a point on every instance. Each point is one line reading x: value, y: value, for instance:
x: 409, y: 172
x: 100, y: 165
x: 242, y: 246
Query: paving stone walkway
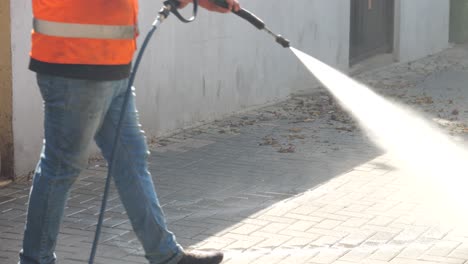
x: 297, y: 182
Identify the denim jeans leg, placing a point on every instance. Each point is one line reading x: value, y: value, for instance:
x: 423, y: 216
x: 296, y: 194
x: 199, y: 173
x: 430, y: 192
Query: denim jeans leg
x: 135, y: 185
x: 73, y: 111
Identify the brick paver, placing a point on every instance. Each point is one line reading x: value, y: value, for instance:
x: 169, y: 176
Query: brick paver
x: 335, y: 199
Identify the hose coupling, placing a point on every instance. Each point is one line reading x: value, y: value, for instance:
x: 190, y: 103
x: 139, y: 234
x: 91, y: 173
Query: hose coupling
x: 165, y: 11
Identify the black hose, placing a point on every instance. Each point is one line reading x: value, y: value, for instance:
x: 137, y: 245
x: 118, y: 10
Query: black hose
x: 116, y: 141
x: 170, y: 5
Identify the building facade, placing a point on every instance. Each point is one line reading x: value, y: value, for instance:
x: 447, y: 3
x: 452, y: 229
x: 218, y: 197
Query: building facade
x: 220, y: 64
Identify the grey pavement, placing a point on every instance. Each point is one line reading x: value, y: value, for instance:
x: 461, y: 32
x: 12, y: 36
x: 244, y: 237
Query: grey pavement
x: 297, y: 182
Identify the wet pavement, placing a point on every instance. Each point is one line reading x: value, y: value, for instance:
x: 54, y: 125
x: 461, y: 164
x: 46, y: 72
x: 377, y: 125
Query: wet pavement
x: 297, y: 182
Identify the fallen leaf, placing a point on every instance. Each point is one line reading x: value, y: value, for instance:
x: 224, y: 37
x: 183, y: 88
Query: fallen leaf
x: 424, y: 100
x: 269, y: 140
x: 295, y: 129
x: 287, y: 149
x: 295, y: 136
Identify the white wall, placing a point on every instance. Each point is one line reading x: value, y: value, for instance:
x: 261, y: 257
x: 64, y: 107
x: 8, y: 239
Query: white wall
x: 230, y: 65
x: 422, y: 28
x: 27, y: 105
x: 199, y: 72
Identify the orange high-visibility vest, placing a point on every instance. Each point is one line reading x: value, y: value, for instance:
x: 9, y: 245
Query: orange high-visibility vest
x: 95, y: 32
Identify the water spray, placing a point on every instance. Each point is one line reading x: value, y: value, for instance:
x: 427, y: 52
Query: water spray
x: 436, y: 164
x: 405, y: 134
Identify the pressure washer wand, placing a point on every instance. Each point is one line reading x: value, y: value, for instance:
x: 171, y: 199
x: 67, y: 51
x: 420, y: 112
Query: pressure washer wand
x: 255, y: 21
x: 170, y: 6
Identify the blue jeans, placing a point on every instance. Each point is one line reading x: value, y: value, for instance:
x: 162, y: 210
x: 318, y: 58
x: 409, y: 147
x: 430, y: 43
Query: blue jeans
x: 75, y: 113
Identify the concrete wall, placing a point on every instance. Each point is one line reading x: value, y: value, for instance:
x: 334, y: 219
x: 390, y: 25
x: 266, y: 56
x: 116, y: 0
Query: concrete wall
x: 229, y: 65
x: 422, y: 28
x: 202, y: 71
x: 6, y: 130
x: 27, y: 105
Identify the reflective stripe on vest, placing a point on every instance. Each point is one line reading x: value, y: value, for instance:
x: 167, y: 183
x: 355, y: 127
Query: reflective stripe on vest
x: 71, y: 30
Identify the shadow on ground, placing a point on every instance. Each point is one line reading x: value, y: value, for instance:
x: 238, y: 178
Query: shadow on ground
x: 207, y: 180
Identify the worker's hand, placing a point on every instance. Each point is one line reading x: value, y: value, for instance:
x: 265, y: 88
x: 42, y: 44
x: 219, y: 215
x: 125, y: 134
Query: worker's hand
x: 233, y: 5
x: 184, y: 3
x: 207, y: 4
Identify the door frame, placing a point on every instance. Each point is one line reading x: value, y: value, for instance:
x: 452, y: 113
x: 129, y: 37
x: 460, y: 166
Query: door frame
x: 6, y: 95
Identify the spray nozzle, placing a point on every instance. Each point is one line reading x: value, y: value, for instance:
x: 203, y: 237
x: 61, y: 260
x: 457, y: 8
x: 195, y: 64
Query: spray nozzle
x: 282, y: 41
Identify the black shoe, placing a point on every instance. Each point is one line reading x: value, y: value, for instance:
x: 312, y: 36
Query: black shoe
x: 202, y: 257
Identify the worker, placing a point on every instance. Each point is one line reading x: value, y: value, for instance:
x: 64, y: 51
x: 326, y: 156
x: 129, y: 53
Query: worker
x: 81, y: 54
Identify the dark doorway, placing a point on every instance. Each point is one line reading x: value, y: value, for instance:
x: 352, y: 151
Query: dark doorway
x: 371, y: 28
x: 458, y: 21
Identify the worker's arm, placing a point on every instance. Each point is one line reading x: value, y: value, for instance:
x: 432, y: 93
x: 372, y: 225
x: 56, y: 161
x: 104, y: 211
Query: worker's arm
x: 207, y: 4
